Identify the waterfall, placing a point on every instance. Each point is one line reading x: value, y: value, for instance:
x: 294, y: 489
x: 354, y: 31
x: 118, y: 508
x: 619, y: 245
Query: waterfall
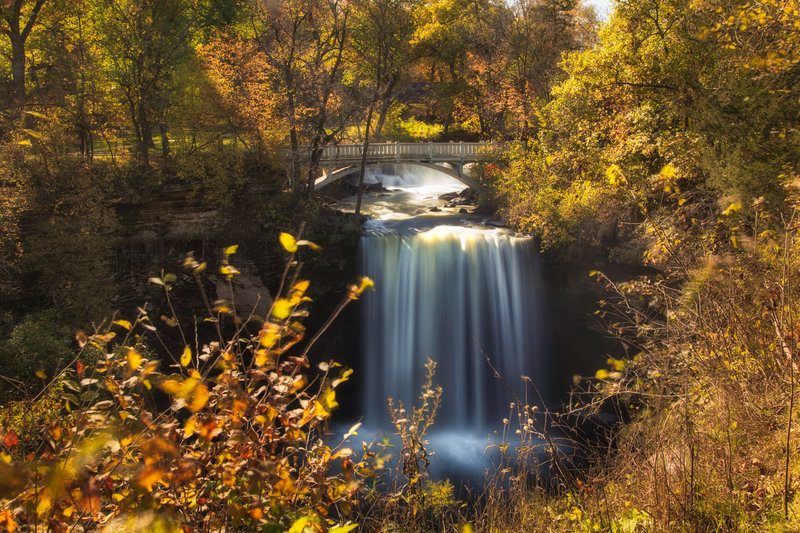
x: 451, y: 293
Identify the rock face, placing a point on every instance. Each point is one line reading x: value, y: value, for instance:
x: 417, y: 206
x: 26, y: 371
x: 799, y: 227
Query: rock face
x: 250, y: 296
x: 157, y: 233
x: 172, y: 215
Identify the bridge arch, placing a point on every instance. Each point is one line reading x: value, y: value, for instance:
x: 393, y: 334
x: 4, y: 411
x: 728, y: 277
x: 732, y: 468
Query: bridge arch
x: 457, y: 173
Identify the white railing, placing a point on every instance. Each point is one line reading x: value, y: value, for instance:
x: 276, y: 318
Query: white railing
x: 402, y: 151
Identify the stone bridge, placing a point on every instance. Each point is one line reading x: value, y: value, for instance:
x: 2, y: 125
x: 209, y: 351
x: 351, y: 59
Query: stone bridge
x: 340, y: 160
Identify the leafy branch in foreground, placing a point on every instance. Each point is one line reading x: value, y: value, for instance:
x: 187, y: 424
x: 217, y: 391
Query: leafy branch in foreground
x: 230, y: 436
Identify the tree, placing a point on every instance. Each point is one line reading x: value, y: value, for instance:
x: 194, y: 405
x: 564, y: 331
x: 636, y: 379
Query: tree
x: 17, y: 19
x: 145, y: 41
x: 380, y: 50
x: 302, y: 43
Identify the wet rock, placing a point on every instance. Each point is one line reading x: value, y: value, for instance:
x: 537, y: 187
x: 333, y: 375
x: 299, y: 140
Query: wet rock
x: 468, y: 196
x: 249, y: 294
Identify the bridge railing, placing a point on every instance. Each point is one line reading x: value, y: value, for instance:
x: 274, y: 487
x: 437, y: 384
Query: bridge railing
x: 401, y: 151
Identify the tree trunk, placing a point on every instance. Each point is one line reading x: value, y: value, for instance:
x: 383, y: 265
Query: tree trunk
x: 294, y: 171
x: 17, y: 68
x: 313, y: 165
x: 364, y: 159
x: 146, y: 134
x: 17, y: 34
x: 165, y: 149
x: 363, y: 168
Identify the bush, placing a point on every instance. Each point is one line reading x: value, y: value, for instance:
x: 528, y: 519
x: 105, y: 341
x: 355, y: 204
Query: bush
x: 229, y: 436
x: 34, y: 351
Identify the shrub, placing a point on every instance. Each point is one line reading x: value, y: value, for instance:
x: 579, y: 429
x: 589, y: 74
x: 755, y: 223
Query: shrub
x: 35, y: 350
x: 229, y: 436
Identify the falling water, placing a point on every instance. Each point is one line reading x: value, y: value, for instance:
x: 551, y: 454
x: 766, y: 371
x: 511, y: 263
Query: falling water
x: 454, y: 289
x: 455, y: 294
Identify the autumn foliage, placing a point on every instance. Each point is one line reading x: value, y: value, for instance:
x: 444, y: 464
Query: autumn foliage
x: 231, y: 434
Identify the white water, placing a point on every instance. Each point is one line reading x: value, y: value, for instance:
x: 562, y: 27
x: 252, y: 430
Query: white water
x: 451, y: 288
x: 454, y: 294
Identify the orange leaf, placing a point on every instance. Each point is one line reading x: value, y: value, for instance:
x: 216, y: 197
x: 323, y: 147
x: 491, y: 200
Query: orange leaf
x: 11, y: 440
x: 81, y: 338
x: 149, y: 477
x: 7, y: 518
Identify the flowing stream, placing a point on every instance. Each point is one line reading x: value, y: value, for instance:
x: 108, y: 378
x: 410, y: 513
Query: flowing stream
x: 452, y: 288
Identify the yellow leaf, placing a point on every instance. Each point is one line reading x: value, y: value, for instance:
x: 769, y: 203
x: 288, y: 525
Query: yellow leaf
x: 123, y: 323
x: 356, y: 290
x: 199, y: 398
x: 262, y: 356
x: 329, y: 400
x: 617, y: 364
x: 171, y: 387
x: 228, y: 270
x: 25, y: 142
x: 186, y: 358
x: 269, y: 335
x: 341, y: 379
x: 282, y: 308
x: 732, y: 209
x: 615, y: 175
x: 288, y: 242
x: 301, y: 286
x: 150, y: 477
x: 40, y: 374
x: 299, y: 525
x: 230, y: 250
x: 45, y: 503
x: 134, y: 359
x: 602, y: 374
x: 189, y: 427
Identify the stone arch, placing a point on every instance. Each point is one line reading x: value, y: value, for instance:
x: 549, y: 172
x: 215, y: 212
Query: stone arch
x: 335, y: 175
